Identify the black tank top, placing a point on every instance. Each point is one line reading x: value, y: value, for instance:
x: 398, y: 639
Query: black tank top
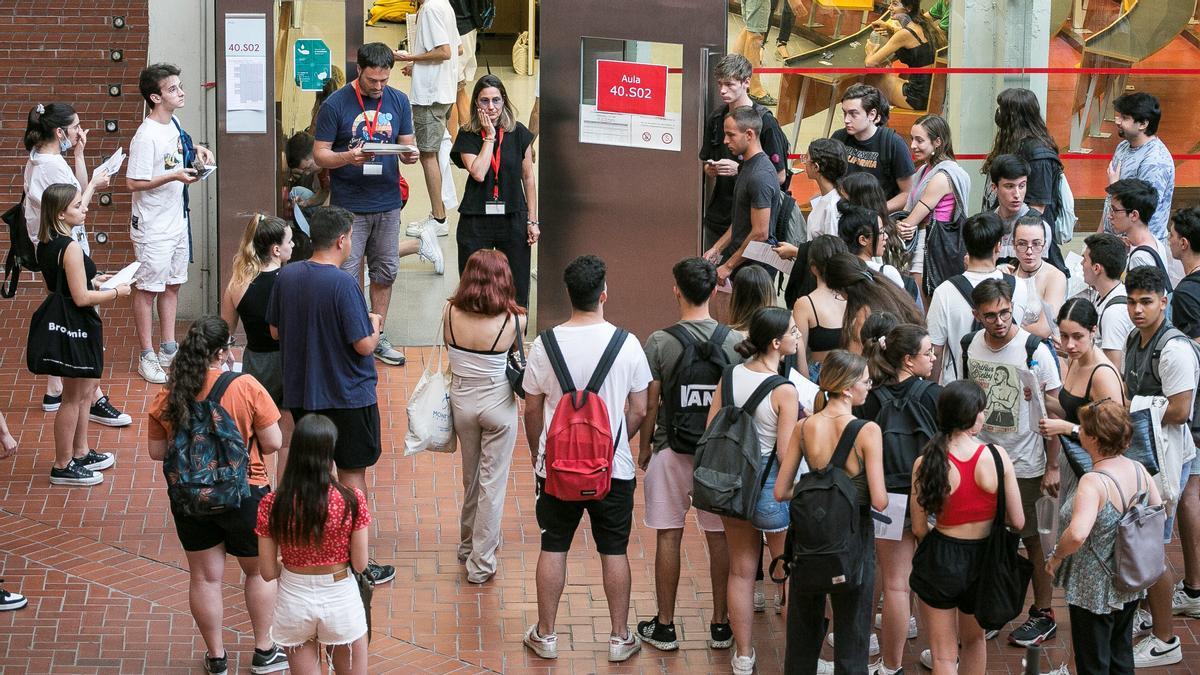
x: 252, y: 310
x: 1072, y: 403
x: 820, y: 338
x: 921, y: 56
x: 48, y: 254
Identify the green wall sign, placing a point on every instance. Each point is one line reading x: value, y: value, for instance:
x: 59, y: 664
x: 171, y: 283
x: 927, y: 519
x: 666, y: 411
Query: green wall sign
x: 312, y: 64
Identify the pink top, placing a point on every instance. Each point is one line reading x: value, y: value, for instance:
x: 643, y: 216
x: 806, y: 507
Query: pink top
x: 335, y: 544
x: 944, y: 210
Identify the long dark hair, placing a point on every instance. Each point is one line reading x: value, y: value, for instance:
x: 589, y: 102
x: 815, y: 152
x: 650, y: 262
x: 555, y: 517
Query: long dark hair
x: 752, y: 290
x: 1018, y: 117
x: 302, y: 501
x: 958, y: 407
x: 508, y: 115
x: 44, y: 120
x: 885, y: 346
x: 189, y: 371
x: 767, y: 325
x: 850, y: 276
x: 862, y: 189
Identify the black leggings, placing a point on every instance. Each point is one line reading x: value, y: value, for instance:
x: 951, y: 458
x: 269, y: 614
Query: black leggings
x: 507, y: 234
x: 1102, y: 643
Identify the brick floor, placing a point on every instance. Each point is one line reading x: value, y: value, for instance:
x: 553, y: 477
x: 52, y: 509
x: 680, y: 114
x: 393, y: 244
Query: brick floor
x: 107, y: 580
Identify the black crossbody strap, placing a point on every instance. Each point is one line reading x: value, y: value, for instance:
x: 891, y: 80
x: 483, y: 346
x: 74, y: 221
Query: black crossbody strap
x: 218, y: 389
x: 998, y: 521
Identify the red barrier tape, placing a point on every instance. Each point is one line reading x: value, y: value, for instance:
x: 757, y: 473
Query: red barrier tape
x: 1066, y: 155
x: 979, y: 71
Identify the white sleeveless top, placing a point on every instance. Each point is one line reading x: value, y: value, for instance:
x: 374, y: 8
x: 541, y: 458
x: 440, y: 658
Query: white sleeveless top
x: 766, y: 421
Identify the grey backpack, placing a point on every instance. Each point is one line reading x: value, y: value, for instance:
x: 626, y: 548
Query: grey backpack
x: 728, y: 474
x: 1139, y: 558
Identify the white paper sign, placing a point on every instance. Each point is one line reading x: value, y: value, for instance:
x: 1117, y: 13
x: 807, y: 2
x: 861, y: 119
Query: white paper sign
x: 123, y: 277
x: 805, y: 389
x: 896, y: 508
x: 111, y: 165
x: 1037, y: 402
x: 762, y: 252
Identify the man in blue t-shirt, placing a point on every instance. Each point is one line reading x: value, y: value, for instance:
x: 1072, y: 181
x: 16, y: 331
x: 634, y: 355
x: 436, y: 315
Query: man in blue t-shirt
x: 367, y: 184
x: 326, y: 338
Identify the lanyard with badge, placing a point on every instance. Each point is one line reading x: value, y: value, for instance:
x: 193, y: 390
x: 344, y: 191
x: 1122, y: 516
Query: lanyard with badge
x: 495, y: 205
x: 369, y: 123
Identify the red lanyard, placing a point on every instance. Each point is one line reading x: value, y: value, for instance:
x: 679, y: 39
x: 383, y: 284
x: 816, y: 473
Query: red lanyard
x: 370, y: 124
x: 496, y: 164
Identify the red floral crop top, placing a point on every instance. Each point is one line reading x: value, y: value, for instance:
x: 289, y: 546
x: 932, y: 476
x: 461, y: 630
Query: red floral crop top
x: 335, y: 546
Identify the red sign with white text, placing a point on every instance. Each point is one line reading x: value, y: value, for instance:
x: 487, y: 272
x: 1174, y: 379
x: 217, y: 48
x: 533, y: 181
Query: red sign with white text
x: 632, y: 88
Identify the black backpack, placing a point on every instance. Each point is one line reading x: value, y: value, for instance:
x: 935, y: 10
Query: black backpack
x: 1153, y: 366
x: 728, y: 475
x: 907, y: 426
x: 688, y: 393
x: 21, y: 252
x: 1157, y: 261
x: 824, y: 543
x: 945, y: 250
x: 1031, y: 344
x: 964, y: 288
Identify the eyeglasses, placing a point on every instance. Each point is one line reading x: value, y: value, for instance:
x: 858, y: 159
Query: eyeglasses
x: 1030, y: 245
x: 794, y: 331
x: 868, y: 382
x: 497, y: 102
x: 1003, y: 316
x: 928, y: 352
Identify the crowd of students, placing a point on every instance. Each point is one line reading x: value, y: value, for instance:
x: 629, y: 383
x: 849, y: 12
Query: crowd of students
x: 954, y: 377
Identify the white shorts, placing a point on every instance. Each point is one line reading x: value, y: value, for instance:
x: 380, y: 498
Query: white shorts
x: 467, y: 63
x: 315, y: 607
x: 164, y: 262
x: 668, y: 493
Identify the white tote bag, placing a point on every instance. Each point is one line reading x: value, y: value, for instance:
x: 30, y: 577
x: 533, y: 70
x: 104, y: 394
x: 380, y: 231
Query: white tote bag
x: 430, y: 420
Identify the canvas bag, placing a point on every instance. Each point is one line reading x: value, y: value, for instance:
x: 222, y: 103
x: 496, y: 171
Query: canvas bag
x: 1139, y: 557
x: 65, y: 340
x: 430, y: 418
x: 1004, y: 574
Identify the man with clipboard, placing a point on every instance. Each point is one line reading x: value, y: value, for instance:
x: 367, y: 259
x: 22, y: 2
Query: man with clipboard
x: 368, y: 185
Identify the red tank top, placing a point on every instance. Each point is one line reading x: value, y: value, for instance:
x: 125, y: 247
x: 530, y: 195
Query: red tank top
x: 969, y: 503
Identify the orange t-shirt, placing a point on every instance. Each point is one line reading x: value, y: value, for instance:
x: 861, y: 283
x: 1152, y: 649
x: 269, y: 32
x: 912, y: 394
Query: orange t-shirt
x: 246, y: 401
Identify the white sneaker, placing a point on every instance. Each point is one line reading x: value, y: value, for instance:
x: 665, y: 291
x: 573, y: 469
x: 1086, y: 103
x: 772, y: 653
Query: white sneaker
x: 165, y: 360
x: 824, y: 667
x: 415, y: 229
x: 760, y: 598
x: 1143, y: 622
x: 742, y: 665
x: 912, y: 625
x: 874, y: 644
x: 150, y: 369
x: 1182, y: 603
x: 927, y: 659
x: 545, y: 646
x: 620, y: 649
x: 990, y: 634
x: 1154, y: 652
x: 431, y: 251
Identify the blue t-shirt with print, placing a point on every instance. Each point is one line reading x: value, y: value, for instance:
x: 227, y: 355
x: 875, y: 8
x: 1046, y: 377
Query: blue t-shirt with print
x: 320, y: 313
x: 340, y: 119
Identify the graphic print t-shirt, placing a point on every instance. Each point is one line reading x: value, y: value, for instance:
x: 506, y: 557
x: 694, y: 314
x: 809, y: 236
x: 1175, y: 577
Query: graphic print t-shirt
x: 158, y: 213
x: 341, y: 119
x: 883, y: 155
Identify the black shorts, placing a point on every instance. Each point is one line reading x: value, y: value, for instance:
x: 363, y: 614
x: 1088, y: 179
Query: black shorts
x: 611, y: 518
x: 945, y: 571
x: 235, y: 529
x: 358, y: 444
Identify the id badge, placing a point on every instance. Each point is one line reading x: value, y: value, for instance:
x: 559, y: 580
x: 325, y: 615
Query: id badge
x: 372, y: 169
x: 493, y: 207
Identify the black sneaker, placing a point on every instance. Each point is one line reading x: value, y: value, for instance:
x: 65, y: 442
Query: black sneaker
x: 51, y: 403
x: 272, y: 661
x: 381, y: 574
x: 1039, y: 627
x: 96, y: 461
x: 74, y: 474
x: 216, y: 665
x: 10, y: 601
x: 720, y: 636
x: 103, y: 412
x: 658, y: 635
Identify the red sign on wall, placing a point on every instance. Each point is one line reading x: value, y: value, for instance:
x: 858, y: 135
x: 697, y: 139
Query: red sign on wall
x: 632, y: 88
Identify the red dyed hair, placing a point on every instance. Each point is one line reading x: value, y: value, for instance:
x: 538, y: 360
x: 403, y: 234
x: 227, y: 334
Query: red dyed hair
x: 486, y: 285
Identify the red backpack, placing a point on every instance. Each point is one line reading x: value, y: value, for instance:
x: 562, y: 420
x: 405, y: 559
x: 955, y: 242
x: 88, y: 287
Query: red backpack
x: 580, y: 443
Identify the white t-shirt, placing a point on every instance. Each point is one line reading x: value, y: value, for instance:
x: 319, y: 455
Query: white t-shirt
x: 824, y: 216
x: 42, y: 171
x: 1180, y: 372
x: 582, y: 347
x: 1006, y: 416
x: 435, y: 82
x: 1115, y: 324
x: 766, y: 420
x: 949, y: 318
x: 156, y: 149
x: 1144, y: 259
x: 890, y: 273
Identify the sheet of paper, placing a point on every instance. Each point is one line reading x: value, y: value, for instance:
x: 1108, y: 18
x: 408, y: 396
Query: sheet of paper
x: 896, y: 508
x: 111, y: 165
x: 726, y: 287
x: 762, y: 252
x: 388, y: 148
x: 125, y: 276
x: 805, y: 388
x: 1075, y: 283
x: 1037, y: 402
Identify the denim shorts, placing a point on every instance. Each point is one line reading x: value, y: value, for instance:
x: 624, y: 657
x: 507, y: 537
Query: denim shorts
x: 770, y: 515
x: 1185, y: 475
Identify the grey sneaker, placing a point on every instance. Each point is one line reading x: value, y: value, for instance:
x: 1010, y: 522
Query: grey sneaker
x: 621, y: 648
x: 384, y: 351
x: 151, y: 370
x: 165, y: 360
x: 430, y: 250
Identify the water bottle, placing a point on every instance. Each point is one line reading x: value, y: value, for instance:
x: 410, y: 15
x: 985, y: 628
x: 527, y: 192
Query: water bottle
x: 1033, y: 660
x: 1047, y: 523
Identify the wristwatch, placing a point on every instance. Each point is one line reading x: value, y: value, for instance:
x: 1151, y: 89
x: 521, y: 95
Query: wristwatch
x: 1075, y: 430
